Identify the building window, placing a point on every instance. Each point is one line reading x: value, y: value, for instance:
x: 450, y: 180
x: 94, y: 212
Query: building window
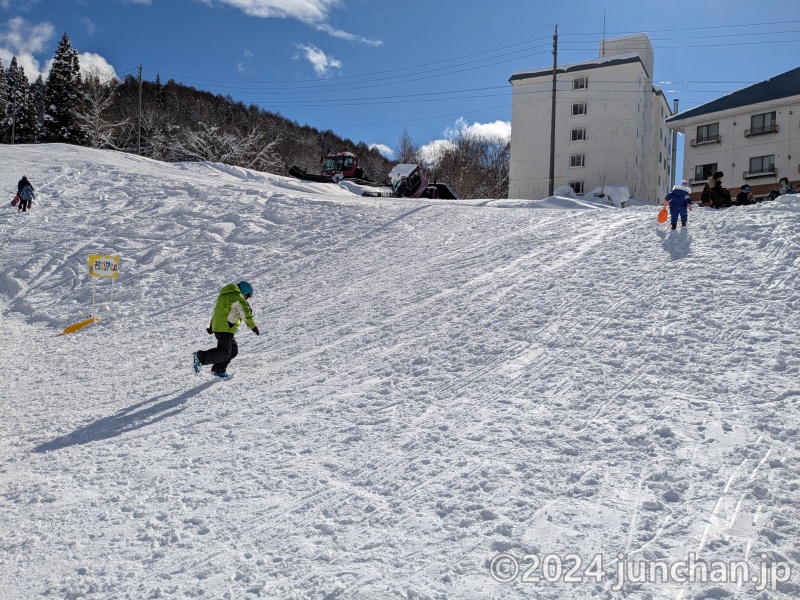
x: 707, y: 133
x: 578, y: 135
x: 577, y: 160
x: 659, y: 156
x: 580, y: 83
x: 579, y: 108
x: 763, y: 123
x: 577, y: 186
x: 761, y: 165
x: 703, y: 172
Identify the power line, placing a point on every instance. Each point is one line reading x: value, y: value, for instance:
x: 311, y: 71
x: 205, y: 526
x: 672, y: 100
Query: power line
x: 459, y: 64
x: 681, y: 29
x: 411, y: 68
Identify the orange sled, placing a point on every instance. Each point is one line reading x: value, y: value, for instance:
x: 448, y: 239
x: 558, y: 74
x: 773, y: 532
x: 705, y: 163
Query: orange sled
x: 663, y: 214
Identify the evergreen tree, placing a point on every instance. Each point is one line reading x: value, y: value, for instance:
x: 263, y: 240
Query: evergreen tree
x: 160, y: 95
x: 38, y: 91
x: 20, y: 111
x: 63, y: 97
x: 3, y: 100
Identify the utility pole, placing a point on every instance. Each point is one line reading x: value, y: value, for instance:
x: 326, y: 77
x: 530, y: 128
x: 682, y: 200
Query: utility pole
x: 603, y: 47
x: 139, y: 128
x: 553, y: 116
x: 674, y: 144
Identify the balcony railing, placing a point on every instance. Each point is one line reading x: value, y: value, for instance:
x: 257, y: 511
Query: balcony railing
x: 711, y: 139
x: 773, y: 172
x: 772, y: 128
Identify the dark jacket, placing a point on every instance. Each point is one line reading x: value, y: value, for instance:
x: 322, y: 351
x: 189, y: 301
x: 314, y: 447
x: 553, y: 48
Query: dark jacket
x: 679, y: 197
x: 22, y: 183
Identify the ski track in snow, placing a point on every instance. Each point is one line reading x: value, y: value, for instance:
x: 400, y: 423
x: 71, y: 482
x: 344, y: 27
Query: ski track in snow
x: 435, y: 383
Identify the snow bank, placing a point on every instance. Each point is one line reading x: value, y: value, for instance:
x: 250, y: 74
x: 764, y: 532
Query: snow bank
x: 559, y: 202
x: 615, y: 195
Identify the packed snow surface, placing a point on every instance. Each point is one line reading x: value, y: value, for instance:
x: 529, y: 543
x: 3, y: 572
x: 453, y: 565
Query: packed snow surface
x: 436, y: 384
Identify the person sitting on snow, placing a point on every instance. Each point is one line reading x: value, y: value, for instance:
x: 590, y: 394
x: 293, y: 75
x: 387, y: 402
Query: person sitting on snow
x: 744, y: 197
x: 230, y: 310
x: 680, y: 202
x: 785, y: 188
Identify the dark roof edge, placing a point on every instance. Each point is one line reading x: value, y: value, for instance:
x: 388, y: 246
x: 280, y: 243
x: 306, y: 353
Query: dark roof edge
x: 659, y: 92
x: 578, y: 67
x: 781, y: 86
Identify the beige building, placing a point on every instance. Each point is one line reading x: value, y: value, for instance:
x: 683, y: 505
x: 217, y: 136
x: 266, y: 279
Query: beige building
x: 751, y: 135
x: 610, y: 125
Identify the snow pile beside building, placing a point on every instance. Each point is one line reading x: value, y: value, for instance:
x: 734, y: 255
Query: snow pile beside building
x: 615, y: 195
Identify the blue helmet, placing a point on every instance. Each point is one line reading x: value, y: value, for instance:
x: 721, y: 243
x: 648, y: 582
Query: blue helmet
x: 245, y: 288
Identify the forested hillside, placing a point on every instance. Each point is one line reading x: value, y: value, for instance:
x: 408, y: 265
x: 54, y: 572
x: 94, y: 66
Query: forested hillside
x: 173, y: 122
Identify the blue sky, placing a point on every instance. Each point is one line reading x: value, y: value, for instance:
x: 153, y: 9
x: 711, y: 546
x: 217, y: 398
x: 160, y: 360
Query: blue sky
x: 367, y: 69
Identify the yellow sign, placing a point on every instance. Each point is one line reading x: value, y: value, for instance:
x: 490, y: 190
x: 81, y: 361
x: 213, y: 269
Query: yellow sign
x: 103, y: 266
x: 78, y: 326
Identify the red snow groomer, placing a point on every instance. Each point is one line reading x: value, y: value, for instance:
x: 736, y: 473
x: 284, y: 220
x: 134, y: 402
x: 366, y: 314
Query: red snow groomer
x: 335, y: 167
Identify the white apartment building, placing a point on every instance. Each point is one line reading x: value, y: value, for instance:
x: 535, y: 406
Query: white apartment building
x: 751, y: 135
x: 610, y: 125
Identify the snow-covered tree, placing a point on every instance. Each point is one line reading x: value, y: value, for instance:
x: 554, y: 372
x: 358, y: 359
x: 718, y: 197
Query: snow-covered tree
x: 3, y: 99
x: 99, y: 93
x: 64, y: 99
x: 38, y: 92
x: 20, y: 111
x: 207, y: 143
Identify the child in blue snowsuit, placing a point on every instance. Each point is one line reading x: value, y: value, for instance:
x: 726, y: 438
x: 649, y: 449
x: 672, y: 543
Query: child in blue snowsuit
x: 680, y: 202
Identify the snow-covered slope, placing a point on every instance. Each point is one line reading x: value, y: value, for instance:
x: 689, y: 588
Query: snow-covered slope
x: 435, y: 383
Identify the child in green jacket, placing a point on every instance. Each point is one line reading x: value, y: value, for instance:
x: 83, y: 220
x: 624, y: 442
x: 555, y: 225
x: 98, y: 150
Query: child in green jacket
x: 230, y: 310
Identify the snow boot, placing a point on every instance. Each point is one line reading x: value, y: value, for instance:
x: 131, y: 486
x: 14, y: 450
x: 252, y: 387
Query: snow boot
x: 675, y: 226
x: 221, y: 374
x: 196, y: 362
x: 683, y: 224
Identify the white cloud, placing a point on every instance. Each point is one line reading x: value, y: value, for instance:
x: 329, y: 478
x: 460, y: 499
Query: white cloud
x: 23, y: 40
x: 383, y: 149
x: 91, y: 62
x: 311, y: 12
x: 308, y: 11
x: 89, y: 25
x: 19, y: 4
x: 350, y: 37
x: 432, y: 151
x: 28, y: 63
x: 322, y: 63
x: 494, y: 130
x: 20, y: 36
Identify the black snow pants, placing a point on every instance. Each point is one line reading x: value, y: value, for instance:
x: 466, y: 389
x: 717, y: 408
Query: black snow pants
x: 221, y: 356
